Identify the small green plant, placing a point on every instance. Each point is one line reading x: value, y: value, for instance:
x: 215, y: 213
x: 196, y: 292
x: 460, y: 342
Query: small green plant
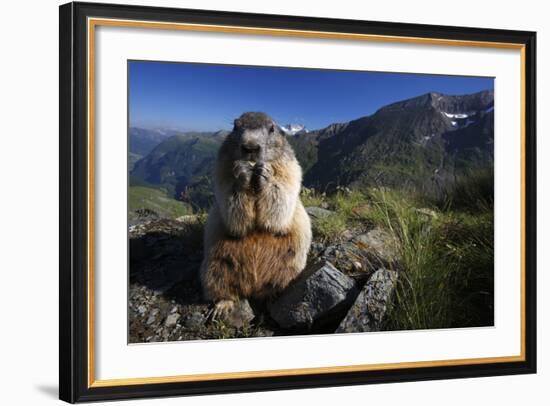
x: 311, y: 197
x: 222, y: 330
x: 351, y: 203
x: 329, y: 228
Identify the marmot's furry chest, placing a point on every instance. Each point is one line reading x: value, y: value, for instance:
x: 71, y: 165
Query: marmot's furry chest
x: 256, y: 261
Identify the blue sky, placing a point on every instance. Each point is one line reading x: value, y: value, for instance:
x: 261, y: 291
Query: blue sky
x: 205, y: 97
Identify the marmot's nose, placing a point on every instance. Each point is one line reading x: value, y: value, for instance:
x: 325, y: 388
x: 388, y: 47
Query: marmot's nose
x: 250, y: 148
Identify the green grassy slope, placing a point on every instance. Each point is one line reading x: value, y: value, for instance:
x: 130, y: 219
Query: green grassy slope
x: 140, y: 197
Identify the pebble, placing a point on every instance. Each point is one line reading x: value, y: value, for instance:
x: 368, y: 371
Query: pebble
x: 151, y: 319
x: 194, y: 320
x: 172, y: 319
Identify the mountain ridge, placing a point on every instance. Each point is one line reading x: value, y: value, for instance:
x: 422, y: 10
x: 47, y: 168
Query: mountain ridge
x: 412, y: 135
x: 420, y: 143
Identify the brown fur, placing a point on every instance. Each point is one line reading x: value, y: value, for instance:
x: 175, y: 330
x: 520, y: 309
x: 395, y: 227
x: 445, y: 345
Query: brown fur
x: 257, y: 265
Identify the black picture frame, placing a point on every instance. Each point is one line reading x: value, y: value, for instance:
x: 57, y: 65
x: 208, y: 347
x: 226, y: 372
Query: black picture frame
x: 74, y: 199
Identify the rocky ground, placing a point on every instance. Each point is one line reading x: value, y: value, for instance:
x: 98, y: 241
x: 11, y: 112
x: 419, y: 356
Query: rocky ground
x: 346, y: 287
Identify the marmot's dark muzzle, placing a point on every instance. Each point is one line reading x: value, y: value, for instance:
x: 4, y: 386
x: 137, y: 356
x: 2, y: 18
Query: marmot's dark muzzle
x: 251, y: 152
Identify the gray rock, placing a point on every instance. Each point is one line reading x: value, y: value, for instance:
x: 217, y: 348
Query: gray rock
x: 264, y: 333
x: 381, y: 242
x: 318, y: 212
x: 172, y: 319
x: 319, y: 296
x: 188, y: 219
x: 194, y: 320
x: 164, y: 253
x: 364, y: 253
x: 316, y: 249
x: 241, y: 315
x: 368, y: 311
x: 152, y: 317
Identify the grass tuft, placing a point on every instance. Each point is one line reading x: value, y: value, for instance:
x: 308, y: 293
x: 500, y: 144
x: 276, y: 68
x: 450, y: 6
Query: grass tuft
x: 328, y: 229
x: 446, y: 263
x: 310, y: 197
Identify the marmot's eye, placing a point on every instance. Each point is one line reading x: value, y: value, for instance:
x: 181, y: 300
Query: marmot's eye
x: 272, y: 129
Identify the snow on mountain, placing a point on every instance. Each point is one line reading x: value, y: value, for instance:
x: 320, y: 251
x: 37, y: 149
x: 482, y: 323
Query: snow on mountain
x: 293, y: 129
x: 463, y: 120
x: 458, y: 115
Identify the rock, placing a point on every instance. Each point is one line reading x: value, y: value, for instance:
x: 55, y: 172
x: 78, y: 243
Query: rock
x: 172, y: 319
x: 346, y: 235
x: 264, y: 333
x: 194, y: 320
x: 369, y: 309
x: 142, y: 309
x: 152, y: 317
x: 364, y: 253
x: 188, y: 219
x: 135, y: 229
x: 319, y: 296
x: 318, y: 212
x: 180, y: 314
x: 143, y: 215
x: 316, y: 249
x: 241, y: 315
x: 164, y: 252
x: 381, y: 242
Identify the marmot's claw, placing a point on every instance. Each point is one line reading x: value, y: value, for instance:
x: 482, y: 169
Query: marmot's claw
x: 262, y: 175
x: 242, y: 171
x: 264, y: 170
x: 220, y: 310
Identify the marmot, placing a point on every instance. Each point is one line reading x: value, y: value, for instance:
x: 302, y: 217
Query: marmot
x: 258, y: 233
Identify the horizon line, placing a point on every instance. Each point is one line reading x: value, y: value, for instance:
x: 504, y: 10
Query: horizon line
x: 188, y: 130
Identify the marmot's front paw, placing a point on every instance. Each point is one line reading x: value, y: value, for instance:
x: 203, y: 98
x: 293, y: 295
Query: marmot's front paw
x: 242, y: 171
x: 221, y: 309
x: 262, y: 173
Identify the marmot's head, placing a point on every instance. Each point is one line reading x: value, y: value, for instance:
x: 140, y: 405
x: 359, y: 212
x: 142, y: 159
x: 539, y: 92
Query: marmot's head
x: 257, y: 138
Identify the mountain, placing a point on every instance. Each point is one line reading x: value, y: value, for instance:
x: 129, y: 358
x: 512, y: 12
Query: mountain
x: 420, y: 143
x: 179, y: 162
x: 306, y: 144
x: 143, y: 140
